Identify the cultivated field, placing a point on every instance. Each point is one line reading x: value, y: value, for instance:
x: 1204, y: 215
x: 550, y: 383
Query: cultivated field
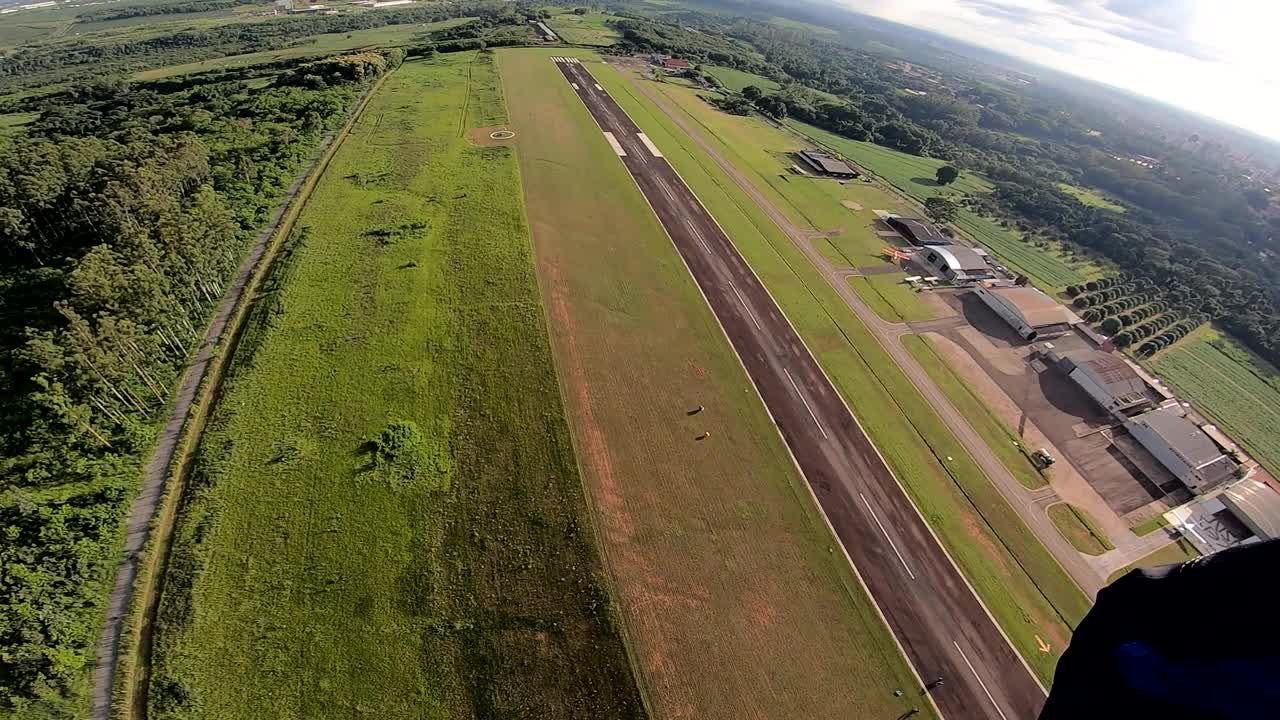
x: 735, y: 600
x: 1238, y: 390
x: 735, y: 80
x: 1048, y: 267
x: 1090, y: 197
x: 1025, y: 588
x: 387, y: 519
x: 389, y: 36
x: 1003, y: 441
x: 590, y: 29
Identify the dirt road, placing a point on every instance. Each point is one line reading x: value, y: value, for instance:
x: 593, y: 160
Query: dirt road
x: 142, y: 512
x: 942, y: 627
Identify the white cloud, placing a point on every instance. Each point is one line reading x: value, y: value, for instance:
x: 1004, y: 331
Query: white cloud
x: 1210, y: 56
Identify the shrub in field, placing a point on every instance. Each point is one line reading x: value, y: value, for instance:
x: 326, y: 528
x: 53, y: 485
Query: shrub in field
x: 404, y: 454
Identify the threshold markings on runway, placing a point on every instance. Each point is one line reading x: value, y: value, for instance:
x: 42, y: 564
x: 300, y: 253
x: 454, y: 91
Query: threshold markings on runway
x: 752, y: 315
x: 886, y: 537
x: 599, y: 88
x: 649, y: 144
x: 613, y: 142
x: 575, y: 86
x: 801, y: 396
x: 979, y: 679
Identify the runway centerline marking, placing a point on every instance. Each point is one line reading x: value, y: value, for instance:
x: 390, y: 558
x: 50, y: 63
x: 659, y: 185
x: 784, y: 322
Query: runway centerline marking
x: 698, y: 234
x: 575, y: 86
x: 979, y: 679
x: 752, y: 315
x: 599, y: 88
x: 886, y: 536
x: 806, y: 403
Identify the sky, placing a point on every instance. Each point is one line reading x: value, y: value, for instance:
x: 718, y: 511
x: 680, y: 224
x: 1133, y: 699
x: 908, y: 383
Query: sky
x: 1215, y: 57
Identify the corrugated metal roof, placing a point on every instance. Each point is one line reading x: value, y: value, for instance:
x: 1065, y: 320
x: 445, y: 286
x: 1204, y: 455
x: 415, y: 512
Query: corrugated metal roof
x: 1036, y: 308
x: 921, y: 231
x: 959, y: 257
x: 827, y: 163
x: 1181, y: 434
x: 1258, y: 503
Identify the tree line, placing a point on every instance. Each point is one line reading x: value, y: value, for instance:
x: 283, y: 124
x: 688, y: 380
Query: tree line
x: 124, y: 212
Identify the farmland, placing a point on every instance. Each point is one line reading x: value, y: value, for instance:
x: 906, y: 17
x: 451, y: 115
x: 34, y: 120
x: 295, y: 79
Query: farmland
x: 1002, y: 440
x: 590, y: 29
x: 1238, y: 390
x: 735, y: 80
x: 732, y: 597
x: 1079, y: 529
x: 1091, y: 198
x: 386, y: 516
x: 1049, y: 267
x: 1026, y: 590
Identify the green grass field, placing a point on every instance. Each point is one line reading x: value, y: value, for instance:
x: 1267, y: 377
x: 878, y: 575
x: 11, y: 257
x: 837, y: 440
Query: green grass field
x: 387, y: 518
x: 1238, y: 390
x: 1176, y: 552
x: 718, y: 555
x: 389, y: 36
x: 1026, y: 590
x: 590, y: 29
x: 1079, y: 529
x: 1003, y: 441
x: 1090, y: 197
x: 911, y: 174
x: 891, y: 298
x: 734, y: 79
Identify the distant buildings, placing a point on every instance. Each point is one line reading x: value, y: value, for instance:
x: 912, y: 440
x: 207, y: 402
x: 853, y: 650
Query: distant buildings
x: 825, y: 164
x: 676, y: 64
x: 1030, y: 313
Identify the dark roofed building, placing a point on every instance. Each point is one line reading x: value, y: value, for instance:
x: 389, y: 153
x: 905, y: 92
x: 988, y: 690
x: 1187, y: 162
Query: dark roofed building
x: 918, y: 232
x: 1108, y: 379
x: 827, y: 165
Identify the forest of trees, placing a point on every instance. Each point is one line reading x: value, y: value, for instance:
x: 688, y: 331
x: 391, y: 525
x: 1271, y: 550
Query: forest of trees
x: 1204, y: 239
x: 124, y: 212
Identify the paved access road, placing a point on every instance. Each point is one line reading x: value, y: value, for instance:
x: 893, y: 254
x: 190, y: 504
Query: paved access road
x: 939, y: 622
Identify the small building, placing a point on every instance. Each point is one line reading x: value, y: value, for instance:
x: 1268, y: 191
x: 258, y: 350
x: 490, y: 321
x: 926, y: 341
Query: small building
x: 825, y: 164
x: 676, y: 64
x: 918, y: 232
x: 1179, y: 444
x: 1108, y: 379
x: 1031, y: 313
x: 956, y: 264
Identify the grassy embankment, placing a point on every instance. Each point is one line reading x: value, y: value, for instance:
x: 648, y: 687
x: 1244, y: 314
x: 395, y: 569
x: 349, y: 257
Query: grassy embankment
x: 1079, y: 529
x: 891, y: 298
x: 1003, y: 441
x: 735, y: 600
x: 1050, y: 266
x: 386, y: 518
x: 1026, y: 590
x: 1237, y: 389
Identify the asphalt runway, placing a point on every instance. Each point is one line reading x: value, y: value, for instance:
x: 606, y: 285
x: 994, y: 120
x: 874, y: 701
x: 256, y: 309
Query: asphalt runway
x: 939, y: 622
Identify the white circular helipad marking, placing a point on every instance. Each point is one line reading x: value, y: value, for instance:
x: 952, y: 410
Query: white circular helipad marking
x: 501, y: 135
